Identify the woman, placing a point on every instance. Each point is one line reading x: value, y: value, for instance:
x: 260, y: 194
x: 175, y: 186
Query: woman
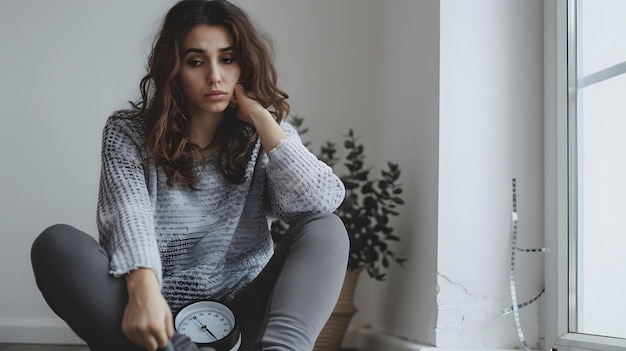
x: 191, y: 177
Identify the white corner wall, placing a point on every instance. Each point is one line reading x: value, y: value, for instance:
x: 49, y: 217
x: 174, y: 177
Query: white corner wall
x: 404, y: 306
x: 491, y: 130
x: 485, y: 105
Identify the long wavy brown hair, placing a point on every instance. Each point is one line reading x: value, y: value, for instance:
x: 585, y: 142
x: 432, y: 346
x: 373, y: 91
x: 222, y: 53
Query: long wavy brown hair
x: 163, y: 104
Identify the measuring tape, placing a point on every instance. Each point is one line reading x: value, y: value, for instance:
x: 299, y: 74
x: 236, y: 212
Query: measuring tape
x: 515, y: 307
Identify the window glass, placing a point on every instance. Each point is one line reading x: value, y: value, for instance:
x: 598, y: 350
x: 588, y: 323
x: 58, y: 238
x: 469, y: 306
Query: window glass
x: 601, y: 158
x: 602, y: 34
x: 602, y: 209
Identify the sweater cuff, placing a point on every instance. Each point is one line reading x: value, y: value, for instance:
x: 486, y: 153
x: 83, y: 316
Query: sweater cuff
x: 279, y: 146
x: 125, y: 261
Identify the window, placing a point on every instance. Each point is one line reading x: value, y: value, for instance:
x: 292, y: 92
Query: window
x: 586, y: 174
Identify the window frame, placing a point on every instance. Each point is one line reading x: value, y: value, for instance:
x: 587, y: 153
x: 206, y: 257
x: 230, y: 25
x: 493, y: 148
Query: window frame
x: 560, y: 193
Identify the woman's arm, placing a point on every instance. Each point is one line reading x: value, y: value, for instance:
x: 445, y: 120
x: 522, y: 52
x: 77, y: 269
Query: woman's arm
x: 298, y: 183
x: 125, y: 223
x: 147, y: 320
x: 125, y: 212
x: 251, y: 111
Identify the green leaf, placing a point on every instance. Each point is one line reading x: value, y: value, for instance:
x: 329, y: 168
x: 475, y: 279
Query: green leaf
x: 367, y: 188
x: 382, y: 219
x: 351, y: 185
x: 370, y: 203
x: 388, y: 211
x: 398, y: 200
x: 353, y: 155
x: 375, y: 273
x: 362, y: 175
x: 354, y: 168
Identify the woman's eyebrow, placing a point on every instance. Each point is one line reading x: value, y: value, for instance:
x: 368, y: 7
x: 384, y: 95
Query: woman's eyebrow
x: 202, y: 51
x: 194, y: 50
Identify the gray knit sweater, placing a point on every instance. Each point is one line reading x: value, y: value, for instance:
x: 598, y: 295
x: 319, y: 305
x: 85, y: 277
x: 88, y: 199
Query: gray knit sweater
x: 211, y: 242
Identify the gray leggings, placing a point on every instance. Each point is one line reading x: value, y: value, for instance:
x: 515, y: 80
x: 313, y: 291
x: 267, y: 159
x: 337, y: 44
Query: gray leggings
x: 284, y: 308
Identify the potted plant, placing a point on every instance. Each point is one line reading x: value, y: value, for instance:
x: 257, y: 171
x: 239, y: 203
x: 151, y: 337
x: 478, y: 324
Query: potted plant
x: 366, y: 211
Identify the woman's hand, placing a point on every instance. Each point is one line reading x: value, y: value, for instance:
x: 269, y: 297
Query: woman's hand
x: 147, y: 320
x: 247, y: 106
x: 251, y: 111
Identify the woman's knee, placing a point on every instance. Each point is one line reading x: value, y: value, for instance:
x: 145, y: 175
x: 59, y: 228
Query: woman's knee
x: 51, y: 240
x: 59, y: 247
x: 326, y: 228
x: 335, y: 230
x: 46, y: 241
x: 50, y: 235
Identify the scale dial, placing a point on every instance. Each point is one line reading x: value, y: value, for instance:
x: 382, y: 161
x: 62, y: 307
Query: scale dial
x: 209, y: 324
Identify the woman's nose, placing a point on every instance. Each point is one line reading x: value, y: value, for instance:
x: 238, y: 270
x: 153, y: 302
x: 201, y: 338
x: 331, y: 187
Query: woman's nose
x: 214, y: 75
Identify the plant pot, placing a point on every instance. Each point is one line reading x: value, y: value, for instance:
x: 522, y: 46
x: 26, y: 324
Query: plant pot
x: 332, y: 334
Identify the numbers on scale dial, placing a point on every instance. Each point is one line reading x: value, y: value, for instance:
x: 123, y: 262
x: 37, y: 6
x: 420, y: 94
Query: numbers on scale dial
x: 206, y: 327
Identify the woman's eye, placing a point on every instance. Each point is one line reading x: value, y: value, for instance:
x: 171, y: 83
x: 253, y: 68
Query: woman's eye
x: 194, y: 63
x: 228, y: 60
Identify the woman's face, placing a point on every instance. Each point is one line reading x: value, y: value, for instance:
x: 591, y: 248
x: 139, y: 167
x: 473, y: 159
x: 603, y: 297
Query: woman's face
x: 209, y: 71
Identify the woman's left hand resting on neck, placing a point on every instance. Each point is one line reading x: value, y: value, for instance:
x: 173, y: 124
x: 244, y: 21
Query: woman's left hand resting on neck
x: 251, y: 111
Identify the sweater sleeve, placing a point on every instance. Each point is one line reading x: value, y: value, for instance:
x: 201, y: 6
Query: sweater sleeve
x: 124, y: 212
x: 298, y: 183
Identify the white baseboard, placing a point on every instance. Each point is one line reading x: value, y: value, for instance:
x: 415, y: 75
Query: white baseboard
x: 371, y: 340
x: 37, y: 331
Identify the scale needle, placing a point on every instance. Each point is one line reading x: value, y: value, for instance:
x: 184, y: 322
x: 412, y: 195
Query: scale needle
x: 204, y: 327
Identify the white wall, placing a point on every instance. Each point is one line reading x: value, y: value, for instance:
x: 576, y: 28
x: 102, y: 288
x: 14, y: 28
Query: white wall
x: 405, y: 305
x: 67, y: 64
x: 465, y: 107
x: 328, y: 57
x: 491, y: 130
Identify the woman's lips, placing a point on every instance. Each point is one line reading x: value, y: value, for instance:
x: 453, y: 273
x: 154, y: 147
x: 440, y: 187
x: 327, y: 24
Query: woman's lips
x: 215, y: 95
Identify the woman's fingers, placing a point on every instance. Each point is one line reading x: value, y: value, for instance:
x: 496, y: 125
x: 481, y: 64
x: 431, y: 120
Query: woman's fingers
x: 161, y: 337
x: 150, y: 337
x: 147, y: 320
x: 246, y: 103
x: 169, y: 329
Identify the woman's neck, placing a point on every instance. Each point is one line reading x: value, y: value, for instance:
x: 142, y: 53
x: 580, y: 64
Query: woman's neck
x: 202, y: 130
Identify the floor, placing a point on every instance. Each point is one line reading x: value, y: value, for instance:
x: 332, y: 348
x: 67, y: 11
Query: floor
x: 28, y: 347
